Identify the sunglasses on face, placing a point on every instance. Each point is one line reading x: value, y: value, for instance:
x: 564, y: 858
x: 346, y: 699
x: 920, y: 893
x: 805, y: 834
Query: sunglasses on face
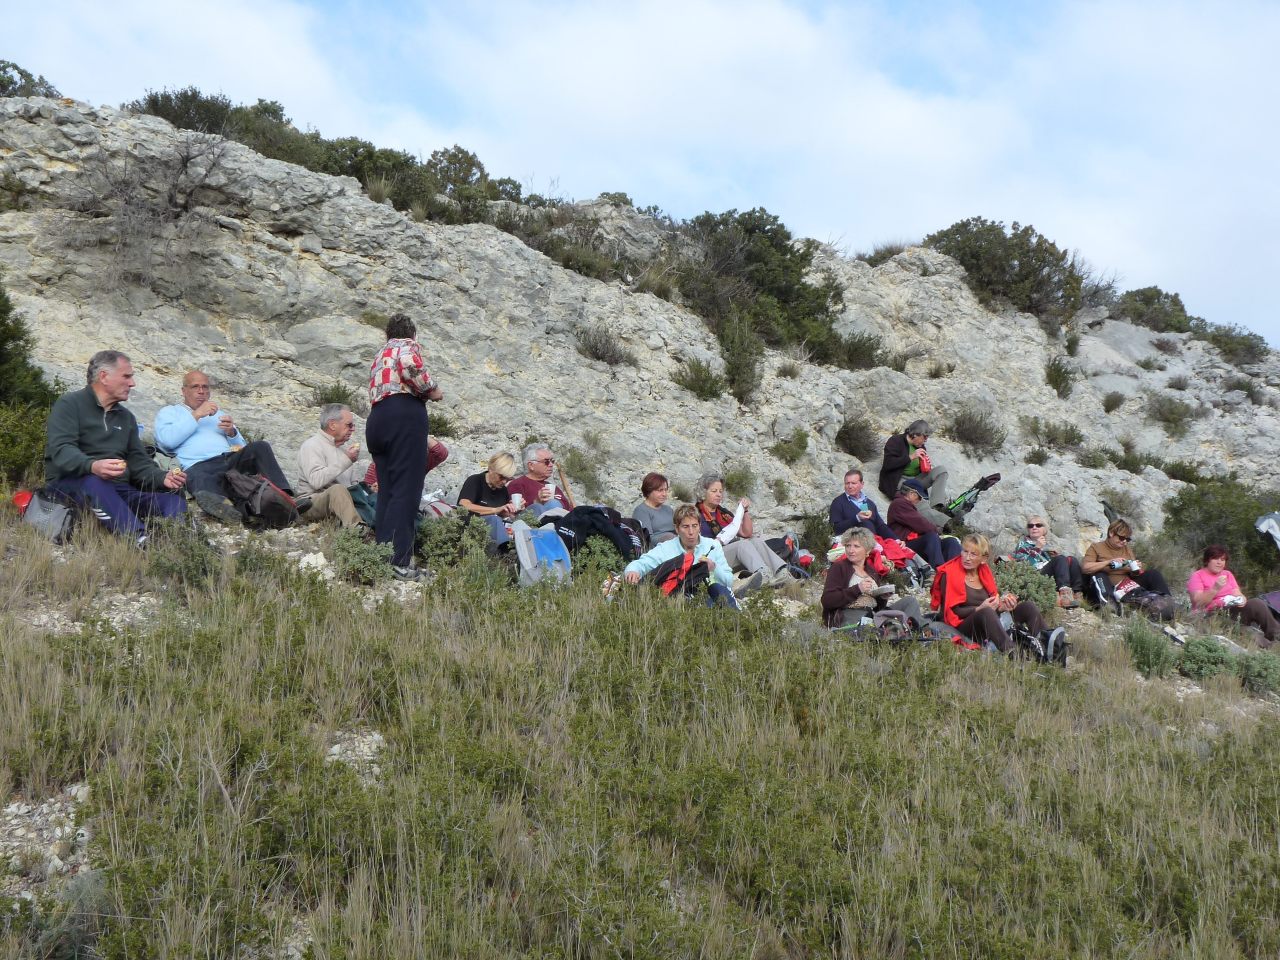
x: 546, y: 461
x: 1125, y: 539
x: 1033, y: 526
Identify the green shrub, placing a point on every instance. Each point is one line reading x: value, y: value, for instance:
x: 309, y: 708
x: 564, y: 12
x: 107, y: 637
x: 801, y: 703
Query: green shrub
x: 378, y: 188
x: 440, y: 424
x: 1073, y: 344
x: 1019, y: 266
x: 1059, y: 374
x: 16, y: 82
x: 789, y: 369
x: 1184, y: 470
x: 977, y: 432
x: 1237, y: 345
x: 1166, y: 345
x: 596, y: 559
x: 883, y: 252
x: 1152, y: 363
x: 1259, y: 672
x: 1113, y: 401
x: 374, y: 318
x: 1223, y: 511
x: 792, y: 448
x: 739, y: 480
x: 681, y: 492
x: 816, y: 533
x: 178, y: 554
x: 781, y: 494
x: 858, y: 351
x: 1152, y: 307
x: 1179, y: 382
x: 446, y: 541
x: 858, y: 438
x: 339, y: 392
x: 597, y: 342
x: 22, y: 454
x: 1060, y: 436
x: 1124, y: 501
x: 1028, y: 583
x: 1204, y: 657
x: 21, y: 381
x: 1248, y: 386
x: 1153, y: 654
x: 939, y: 370
x: 1092, y: 458
x: 742, y: 350
x: 584, y: 465
x: 700, y: 379
x: 359, y: 561
x: 1038, y: 456
x: 1173, y: 413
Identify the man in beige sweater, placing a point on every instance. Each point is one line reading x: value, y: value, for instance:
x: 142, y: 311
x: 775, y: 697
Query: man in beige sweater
x: 326, y: 467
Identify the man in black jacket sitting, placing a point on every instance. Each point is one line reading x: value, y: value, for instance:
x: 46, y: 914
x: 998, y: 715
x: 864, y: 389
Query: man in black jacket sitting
x: 905, y: 458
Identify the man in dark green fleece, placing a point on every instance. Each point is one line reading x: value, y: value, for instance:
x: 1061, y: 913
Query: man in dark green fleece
x: 94, y: 454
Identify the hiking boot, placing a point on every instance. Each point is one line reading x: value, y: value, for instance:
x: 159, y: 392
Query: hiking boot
x: 1067, y: 599
x: 408, y: 574
x: 745, y: 585
x: 217, y: 506
x: 303, y: 503
x: 782, y: 578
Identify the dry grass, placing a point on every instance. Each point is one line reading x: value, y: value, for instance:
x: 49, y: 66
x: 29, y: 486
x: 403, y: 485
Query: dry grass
x: 626, y: 779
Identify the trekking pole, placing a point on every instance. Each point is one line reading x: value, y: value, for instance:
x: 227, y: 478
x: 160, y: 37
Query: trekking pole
x: 564, y: 485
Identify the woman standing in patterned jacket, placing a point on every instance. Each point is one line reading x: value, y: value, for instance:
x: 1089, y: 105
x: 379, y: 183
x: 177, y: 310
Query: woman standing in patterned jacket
x: 396, y: 435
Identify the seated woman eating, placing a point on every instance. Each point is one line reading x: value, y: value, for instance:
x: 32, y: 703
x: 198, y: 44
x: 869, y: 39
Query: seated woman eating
x: 744, y: 548
x: 1114, y: 557
x: 967, y: 598
x: 853, y: 590
x: 654, y: 513
x: 1214, y: 590
x: 695, y: 548
x: 1065, y: 570
x: 485, y: 495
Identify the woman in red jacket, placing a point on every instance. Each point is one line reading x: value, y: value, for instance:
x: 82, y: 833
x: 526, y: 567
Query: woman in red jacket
x: 967, y: 598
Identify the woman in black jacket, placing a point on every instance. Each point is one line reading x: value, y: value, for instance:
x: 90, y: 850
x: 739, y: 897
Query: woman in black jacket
x: 853, y: 589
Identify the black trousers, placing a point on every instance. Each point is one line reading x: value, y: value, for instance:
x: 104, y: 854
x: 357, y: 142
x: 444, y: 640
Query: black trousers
x: 252, y: 458
x: 396, y: 434
x: 1065, y: 571
x: 984, y: 624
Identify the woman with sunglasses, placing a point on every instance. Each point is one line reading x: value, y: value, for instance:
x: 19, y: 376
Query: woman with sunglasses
x: 1065, y: 570
x: 1114, y: 557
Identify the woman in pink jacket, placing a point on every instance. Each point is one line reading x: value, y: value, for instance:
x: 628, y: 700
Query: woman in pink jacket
x: 1213, y: 589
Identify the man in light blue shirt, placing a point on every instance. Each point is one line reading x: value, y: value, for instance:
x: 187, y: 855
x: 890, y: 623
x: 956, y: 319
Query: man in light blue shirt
x: 208, y: 443
x: 689, y: 539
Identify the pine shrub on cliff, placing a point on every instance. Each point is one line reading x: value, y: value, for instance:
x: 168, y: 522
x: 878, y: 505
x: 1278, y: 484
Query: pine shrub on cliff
x: 25, y: 398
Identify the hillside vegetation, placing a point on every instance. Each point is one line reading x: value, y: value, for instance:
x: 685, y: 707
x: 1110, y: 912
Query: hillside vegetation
x: 567, y: 778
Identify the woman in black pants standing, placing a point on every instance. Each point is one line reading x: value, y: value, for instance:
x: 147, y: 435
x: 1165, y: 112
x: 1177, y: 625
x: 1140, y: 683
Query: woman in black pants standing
x: 396, y: 435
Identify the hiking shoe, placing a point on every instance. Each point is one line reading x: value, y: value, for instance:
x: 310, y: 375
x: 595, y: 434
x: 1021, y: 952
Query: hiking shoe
x: 217, y: 506
x: 782, y: 578
x: 745, y: 585
x: 303, y: 503
x: 1067, y: 599
x: 141, y: 542
x: 409, y: 574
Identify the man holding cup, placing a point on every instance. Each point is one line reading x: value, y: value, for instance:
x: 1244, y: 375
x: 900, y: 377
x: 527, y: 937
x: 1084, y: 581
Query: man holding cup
x: 854, y: 508
x: 536, y: 486
x: 207, y: 442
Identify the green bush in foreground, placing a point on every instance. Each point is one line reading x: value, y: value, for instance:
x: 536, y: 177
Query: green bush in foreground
x: 1028, y: 583
x: 1151, y: 650
x: 638, y: 778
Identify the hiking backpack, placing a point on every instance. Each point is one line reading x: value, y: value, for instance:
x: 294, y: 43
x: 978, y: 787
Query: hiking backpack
x: 260, y: 502
x: 680, y: 576
x: 51, y: 513
x: 540, y: 554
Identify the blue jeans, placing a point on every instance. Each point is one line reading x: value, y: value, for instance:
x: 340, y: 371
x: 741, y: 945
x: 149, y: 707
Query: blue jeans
x: 119, y: 506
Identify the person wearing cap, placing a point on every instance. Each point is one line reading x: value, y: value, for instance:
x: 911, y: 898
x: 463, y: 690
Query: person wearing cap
x: 905, y: 457
x: 915, y: 529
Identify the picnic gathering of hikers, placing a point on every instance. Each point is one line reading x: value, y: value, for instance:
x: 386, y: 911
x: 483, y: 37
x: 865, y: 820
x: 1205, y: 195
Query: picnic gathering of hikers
x: 710, y: 550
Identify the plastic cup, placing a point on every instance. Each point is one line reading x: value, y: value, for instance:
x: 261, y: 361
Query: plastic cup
x: 550, y: 488
x: 517, y: 501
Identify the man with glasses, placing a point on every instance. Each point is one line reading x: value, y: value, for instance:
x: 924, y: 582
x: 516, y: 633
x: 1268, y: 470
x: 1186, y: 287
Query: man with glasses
x: 536, y: 486
x: 207, y: 442
x: 1034, y: 549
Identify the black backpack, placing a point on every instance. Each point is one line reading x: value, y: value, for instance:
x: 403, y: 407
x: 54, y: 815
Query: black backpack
x: 260, y: 502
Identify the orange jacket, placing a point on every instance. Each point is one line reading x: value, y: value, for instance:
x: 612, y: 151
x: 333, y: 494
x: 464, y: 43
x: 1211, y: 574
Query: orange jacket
x: 949, y: 589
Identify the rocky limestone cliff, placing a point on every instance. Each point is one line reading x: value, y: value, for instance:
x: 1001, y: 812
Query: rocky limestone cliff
x: 189, y: 251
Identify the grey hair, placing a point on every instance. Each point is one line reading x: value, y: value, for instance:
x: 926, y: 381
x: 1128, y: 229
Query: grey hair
x: 103, y: 360
x: 706, y: 482
x: 918, y: 427
x: 866, y: 539
x: 331, y: 412
x: 531, y: 451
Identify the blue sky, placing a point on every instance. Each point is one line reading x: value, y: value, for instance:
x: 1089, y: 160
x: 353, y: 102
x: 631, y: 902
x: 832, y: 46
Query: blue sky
x: 1139, y: 134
